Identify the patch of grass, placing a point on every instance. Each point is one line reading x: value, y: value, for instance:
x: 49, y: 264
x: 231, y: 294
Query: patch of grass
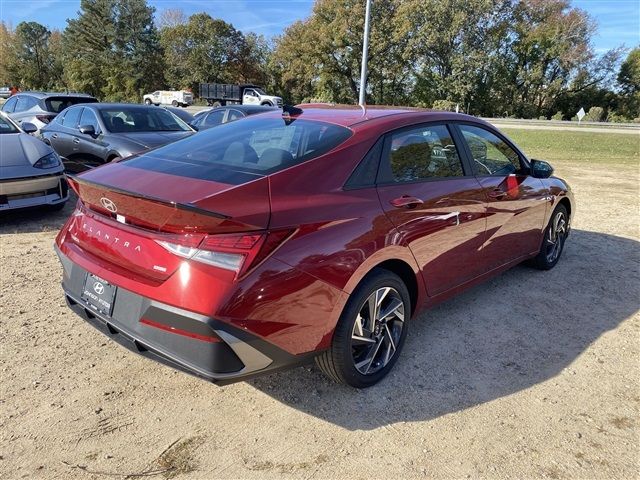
x: 581, y: 147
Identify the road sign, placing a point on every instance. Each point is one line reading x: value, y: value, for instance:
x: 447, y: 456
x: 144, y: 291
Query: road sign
x: 581, y: 114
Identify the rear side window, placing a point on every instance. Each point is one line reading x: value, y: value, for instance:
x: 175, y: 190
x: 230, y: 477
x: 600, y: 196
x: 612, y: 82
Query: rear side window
x: 25, y: 103
x: 214, y: 118
x: 10, y: 105
x: 421, y: 153
x: 253, y: 147
x: 57, y: 104
x: 72, y: 117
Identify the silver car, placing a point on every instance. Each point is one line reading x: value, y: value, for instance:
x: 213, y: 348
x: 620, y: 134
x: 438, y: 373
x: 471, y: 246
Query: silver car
x: 31, y: 173
x: 40, y: 108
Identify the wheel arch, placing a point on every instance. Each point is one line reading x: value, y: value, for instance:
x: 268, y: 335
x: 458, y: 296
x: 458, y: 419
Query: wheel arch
x: 403, y: 270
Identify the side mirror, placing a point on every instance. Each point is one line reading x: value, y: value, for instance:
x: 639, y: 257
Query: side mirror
x: 29, y: 127
x: 541, y: 169
x: 87, y: 129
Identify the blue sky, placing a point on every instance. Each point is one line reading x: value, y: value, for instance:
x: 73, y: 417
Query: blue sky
x: 618, y: 20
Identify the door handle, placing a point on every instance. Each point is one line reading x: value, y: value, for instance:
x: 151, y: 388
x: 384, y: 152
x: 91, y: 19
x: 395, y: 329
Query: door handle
x: 55, y: 135
x: 406, y: 201
x: 76, y: 141
x: 497, y: 194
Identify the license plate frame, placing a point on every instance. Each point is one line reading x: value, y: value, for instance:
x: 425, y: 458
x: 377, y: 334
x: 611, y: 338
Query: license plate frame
x: 98, y: 294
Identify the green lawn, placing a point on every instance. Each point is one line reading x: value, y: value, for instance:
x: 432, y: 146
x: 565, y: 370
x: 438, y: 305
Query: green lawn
x: 584, y: 147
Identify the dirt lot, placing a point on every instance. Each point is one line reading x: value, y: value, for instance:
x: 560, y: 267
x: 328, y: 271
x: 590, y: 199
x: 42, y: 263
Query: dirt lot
x: 530, y: 375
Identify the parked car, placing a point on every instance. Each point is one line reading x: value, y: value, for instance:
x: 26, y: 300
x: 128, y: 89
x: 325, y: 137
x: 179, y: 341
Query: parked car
x: 317, y: 232
x: 221, y: 94
x: 31, y: 173
x: 95, y: 133
x: 41, y: 108
x: 219, y: 115
x: 5, y: 92
x: 176, y: 98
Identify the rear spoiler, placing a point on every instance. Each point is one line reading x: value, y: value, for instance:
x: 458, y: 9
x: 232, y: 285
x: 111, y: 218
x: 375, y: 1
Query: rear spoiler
x: 74, y: 180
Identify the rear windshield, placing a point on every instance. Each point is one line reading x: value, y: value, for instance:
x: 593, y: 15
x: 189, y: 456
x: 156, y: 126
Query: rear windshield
x: 238, y: 151
x: 152, y: 119
x: 57, y: 104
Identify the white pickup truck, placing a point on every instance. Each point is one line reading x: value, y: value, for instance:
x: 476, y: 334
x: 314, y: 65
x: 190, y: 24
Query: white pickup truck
x: 177, y: 98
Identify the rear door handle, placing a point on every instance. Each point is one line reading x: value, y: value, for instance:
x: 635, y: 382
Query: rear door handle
x: 406, y: 201
x: 55, y: 135
x: 76, y: 141
x: 497, y: 194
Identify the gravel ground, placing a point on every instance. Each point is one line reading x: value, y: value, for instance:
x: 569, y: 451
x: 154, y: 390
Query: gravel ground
x: 534, y: 374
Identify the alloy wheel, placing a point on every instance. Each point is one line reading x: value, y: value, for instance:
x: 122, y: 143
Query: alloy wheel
x: 377, y: 330
x: 556, y: 236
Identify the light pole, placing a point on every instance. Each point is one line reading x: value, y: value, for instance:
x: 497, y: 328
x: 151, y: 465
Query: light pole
x: 365, y: 53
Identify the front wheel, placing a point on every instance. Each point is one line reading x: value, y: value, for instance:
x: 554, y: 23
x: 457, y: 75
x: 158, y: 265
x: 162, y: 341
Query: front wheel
x: 553, y: 242
x: 174, y: 103
x: 370, y: 333
x: 147, y: 101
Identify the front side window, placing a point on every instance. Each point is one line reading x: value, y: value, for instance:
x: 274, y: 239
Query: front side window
x: 89, y: 118
x: 127, y: 120
x: 252, y: 147
x: 423, y: 153
x: 72, y: 117
x: 214, y: 118
x: 25, y: 103
x: 490, y: 154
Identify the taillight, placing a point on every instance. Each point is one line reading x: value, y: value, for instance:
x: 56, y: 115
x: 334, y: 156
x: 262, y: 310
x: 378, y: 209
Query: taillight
x: 236, y: 252
x: 45, y: 118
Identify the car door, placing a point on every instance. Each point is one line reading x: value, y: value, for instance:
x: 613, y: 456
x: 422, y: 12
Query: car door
x: 90, y: 149
x: 516, y: 202
x: 430, y: 194
x: 250, y: 97
x: 64, y: 138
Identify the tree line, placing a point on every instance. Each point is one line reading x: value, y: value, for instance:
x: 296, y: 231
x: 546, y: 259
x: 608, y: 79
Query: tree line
x: 521, y: 58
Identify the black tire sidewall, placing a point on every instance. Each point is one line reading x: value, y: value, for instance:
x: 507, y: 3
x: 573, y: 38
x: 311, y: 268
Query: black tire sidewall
x: 542, y: 259
x: 341, y: 347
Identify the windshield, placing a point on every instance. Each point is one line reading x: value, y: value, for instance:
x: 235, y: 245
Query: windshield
x: 127, y: 120
x: 260, y: 91
x: 237, y: 151
x: 57, y: 104
x: 6, y: 126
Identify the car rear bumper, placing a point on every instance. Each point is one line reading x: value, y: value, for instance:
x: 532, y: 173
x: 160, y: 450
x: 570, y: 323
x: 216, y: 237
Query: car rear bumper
x: 34, y: 191
x: 233, y: 355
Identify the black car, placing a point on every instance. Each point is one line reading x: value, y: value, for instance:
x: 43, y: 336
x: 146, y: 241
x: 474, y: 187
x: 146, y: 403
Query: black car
x: 229, y: 113
x: 92, y: 134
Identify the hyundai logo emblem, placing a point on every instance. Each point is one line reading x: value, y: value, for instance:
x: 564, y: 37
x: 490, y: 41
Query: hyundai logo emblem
x: 98, y: 288
x: 108, y: 204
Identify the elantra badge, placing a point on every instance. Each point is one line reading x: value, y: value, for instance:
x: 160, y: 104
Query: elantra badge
x: 108, y: 204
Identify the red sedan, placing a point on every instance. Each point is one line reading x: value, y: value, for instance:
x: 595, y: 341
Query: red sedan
x: 317, y: 232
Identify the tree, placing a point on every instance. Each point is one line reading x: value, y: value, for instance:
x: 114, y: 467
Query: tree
x: 7, y: 59
x: 629, y: 82
x: 203, y: 49
x: 113, y: 50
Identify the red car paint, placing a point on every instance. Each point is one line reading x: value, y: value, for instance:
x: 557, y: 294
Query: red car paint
x: 294, y: 294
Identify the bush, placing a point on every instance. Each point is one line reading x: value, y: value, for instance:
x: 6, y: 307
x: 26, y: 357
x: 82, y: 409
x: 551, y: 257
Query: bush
x: 557, y: 116
x: 595, y: 114
x: 446, y: 105
x: 615, y: 118
x: 542, y: 117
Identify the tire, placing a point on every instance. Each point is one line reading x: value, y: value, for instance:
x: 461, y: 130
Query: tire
x: 267, y: 104
x: 216, y: 104
x: 368, y: 360
x: 551, y: 250
x: 147, y: 101
x: 174, y: 103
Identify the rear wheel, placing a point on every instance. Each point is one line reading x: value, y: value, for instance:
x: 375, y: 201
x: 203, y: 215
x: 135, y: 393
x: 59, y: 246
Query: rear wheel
x: 370, y: 333
x: 174, y: 103
x: 554, y: 238
x: 147, y: 101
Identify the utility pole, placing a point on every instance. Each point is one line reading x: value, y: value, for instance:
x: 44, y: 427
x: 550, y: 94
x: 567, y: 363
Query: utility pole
x: 365, y: 54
